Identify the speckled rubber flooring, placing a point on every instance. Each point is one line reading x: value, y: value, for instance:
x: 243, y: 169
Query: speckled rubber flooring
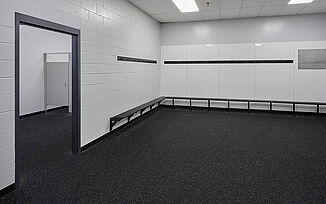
x: 177, y: 156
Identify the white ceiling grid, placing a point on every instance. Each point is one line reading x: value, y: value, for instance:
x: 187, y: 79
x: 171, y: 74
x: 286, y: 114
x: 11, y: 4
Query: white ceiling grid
x: 166, y: 11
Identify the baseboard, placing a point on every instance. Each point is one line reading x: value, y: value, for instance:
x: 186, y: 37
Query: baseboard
x: 87, y: 146
x: 7, y: 190
x: 42, y: 112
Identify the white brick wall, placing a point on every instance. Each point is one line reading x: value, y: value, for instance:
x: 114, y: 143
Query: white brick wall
x: 108, y: 28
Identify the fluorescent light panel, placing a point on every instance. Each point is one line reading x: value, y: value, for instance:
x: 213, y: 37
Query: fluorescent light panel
x: 300, y: 1
x: 186, y: 5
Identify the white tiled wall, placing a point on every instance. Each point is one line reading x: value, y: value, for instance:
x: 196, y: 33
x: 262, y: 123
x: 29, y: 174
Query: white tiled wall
x: 253, y: 81
x: 108, y: 28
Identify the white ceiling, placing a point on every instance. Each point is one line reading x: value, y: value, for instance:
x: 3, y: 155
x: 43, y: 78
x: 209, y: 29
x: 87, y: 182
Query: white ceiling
x: 166, y: 11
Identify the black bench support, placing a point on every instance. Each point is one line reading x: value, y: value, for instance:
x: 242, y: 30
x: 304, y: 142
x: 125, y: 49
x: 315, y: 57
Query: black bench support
x: 140, y: 109
x: 130, y: 113
x: 248, y: 101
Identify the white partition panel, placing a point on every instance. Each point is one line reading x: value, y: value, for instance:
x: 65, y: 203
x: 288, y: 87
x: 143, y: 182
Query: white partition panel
x: 275, y: 50
x: 274, y: 81
x: 174, y: 80
x: 57, y: 84
x: 236, y: 51
x: 202, y: 52
x: 178, y: 52
x: 174, y: 77
x: 237, y: 81
x: 58, y: 80
x: 202, y: 81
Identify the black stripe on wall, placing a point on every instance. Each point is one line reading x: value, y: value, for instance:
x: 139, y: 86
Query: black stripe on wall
x: 132, y: 59
x: 230, y: 62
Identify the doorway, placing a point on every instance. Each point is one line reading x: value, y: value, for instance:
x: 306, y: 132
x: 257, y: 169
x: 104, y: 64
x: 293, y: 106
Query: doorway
x: 25, y: 20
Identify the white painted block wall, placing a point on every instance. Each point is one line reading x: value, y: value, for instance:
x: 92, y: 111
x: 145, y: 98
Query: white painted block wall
x: 249, y: 81
x: 108, y: 28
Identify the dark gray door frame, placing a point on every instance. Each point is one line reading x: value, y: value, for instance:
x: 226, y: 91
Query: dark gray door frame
x: 21, y: 19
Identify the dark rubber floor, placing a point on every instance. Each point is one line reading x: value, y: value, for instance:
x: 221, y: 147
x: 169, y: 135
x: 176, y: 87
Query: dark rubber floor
x: 177, y: 156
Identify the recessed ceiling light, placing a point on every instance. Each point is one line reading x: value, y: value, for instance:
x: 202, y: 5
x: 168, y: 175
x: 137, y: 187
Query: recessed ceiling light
x: 258, y: 44
x: 209, y: 45
x: 186, y: 5
x: 300, y: 1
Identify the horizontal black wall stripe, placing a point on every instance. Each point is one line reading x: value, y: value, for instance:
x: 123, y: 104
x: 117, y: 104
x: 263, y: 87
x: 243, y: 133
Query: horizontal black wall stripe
x: 132, y: 59
x: 230, y: 62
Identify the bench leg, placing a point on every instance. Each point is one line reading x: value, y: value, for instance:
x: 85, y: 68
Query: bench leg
x: 111, y: 125
x: 293, y: 109
x: 190, y: 104
x: 248, y: 106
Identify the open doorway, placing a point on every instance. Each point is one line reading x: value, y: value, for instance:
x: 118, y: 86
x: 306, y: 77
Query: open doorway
x: 47, y: 77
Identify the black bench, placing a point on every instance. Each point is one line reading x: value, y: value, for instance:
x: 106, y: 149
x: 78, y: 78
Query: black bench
x: 248, y: 101
x: 128, y: 114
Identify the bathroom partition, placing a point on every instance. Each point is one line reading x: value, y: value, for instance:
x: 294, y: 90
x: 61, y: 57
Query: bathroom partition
x: 57, y: 80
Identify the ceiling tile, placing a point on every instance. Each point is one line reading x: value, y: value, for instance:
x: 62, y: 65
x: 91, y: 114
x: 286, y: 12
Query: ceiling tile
x: 292, y: 9
x: 253, y: 3
x: 315, y: 7
x: 276, y: 2
x: 165, y: 6
x: 230, y: 4
x: 166, y: 11
x: 193, y: 16
x: 249, y: 12
x: 161, y: 18
x: 230, y: 13
x: 175, y: 17
x: 211, y: 14
x: 270, y: 10
x: 213, y: 4
x: 146, y: 6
